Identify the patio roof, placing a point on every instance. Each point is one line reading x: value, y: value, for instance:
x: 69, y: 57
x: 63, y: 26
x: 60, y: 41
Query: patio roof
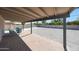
x: 27, y: 14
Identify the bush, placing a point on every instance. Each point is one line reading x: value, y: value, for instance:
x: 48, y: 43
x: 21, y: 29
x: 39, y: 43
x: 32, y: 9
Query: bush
x: 73, y: 23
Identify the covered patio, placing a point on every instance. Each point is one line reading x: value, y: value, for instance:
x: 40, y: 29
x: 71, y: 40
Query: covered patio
x: 28, y: 41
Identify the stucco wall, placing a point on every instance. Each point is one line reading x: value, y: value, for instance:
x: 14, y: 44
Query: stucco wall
x: 1, y: 27
x: 9, y: 26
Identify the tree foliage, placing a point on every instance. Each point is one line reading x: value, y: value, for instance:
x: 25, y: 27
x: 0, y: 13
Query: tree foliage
x: 56, y: 22
x: 73, y: 23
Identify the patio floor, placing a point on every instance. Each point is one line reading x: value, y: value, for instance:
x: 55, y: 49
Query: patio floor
x: 38, y: 43
x: 12, y: 42
x: 28, y: 42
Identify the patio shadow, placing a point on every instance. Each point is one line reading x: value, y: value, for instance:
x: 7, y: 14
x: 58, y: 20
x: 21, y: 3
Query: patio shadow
x: 12, y: 42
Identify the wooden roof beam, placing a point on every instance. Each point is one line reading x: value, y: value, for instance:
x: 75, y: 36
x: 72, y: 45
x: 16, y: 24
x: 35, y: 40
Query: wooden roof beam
x: 43, y: 11
x: 17, y: 12
x: 38, y: 11
x: 32, y: 11
x: 4, y: 11
x: 8, y: 15
x: 27, y: 12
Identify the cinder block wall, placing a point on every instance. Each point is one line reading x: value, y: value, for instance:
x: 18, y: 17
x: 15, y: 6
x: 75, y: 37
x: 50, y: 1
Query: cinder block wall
x: 1, y: 27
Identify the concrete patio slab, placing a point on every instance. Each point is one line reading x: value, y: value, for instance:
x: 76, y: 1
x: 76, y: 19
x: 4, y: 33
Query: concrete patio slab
x: 38, y: 43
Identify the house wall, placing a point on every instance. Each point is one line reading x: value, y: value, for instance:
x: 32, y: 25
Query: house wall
x: 9, y: 26
x: 1, y: 27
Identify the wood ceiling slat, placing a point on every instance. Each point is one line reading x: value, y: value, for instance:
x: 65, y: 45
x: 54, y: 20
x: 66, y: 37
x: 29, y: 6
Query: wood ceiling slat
x: 43, y: 11
x: 37, y: 10
x: 14, y: 11
x: 28, y: 12
x: 5, y: 11
x: 62, y: 10
x: 49, y: 10
x: 8, y: 15
x: 32, y: 11
x: 24, y: 12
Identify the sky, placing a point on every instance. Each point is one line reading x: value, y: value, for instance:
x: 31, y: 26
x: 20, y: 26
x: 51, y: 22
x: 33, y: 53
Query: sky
x: 73, y: 15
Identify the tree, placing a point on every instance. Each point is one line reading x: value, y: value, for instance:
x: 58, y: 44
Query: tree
x: 56, y: 22
x: 43, y: 21
x: 76, y: 22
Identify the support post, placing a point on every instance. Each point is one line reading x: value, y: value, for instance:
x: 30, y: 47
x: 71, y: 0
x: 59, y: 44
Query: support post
x: 23, y: 25
x: 64, y: 34
x: 31, y: 27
